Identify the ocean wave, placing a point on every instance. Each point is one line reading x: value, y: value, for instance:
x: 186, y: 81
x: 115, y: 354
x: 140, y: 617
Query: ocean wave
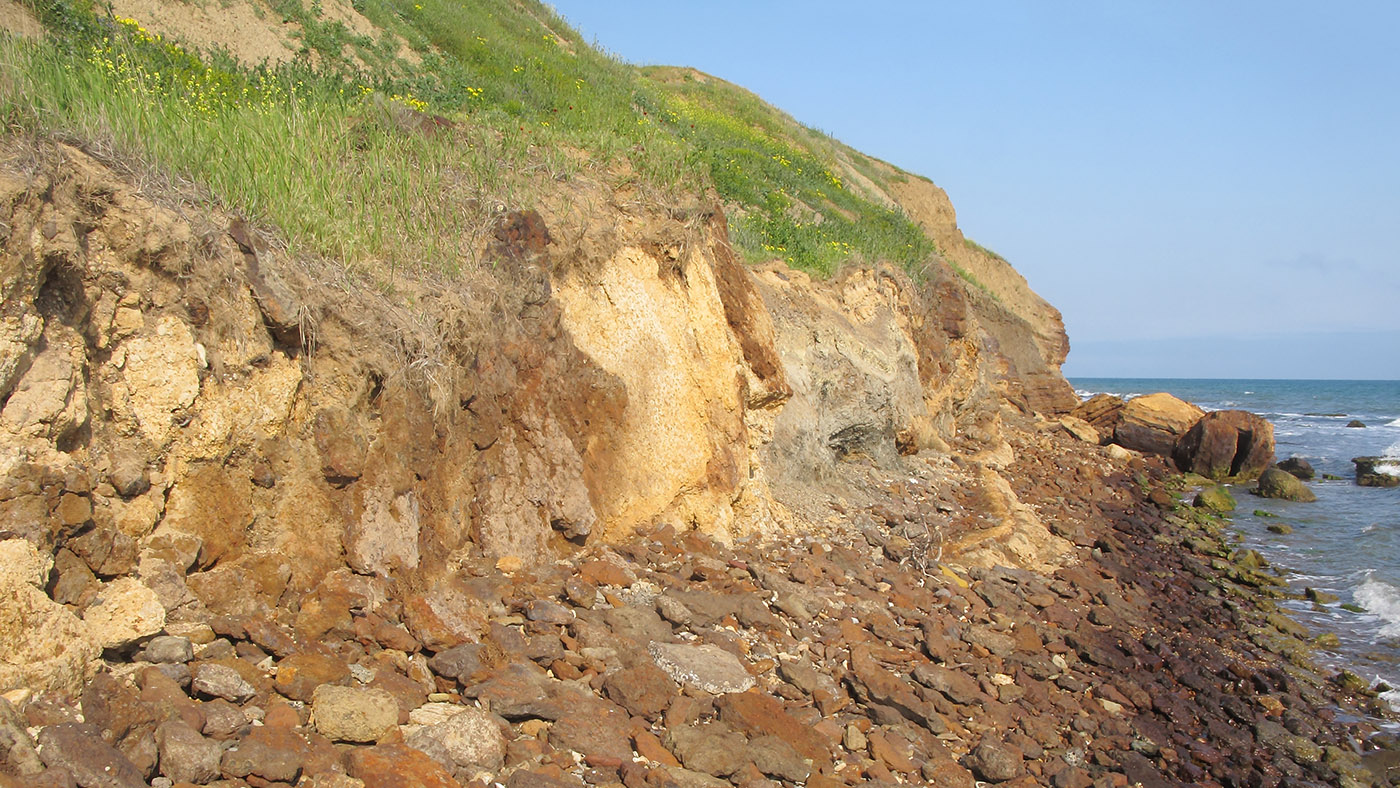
x: 1391, y: 697
x: 1395, y: 423
x: 1381, y: 599
x: 1389, y: 468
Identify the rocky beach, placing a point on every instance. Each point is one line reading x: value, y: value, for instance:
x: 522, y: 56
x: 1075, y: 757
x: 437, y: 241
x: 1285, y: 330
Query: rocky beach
x: 1157, y: 657
x: 626, y: 495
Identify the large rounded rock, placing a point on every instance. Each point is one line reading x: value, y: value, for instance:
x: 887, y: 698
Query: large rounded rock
x: 1274, y: 483
x: 1226, y: 444
x: 1154, y: 422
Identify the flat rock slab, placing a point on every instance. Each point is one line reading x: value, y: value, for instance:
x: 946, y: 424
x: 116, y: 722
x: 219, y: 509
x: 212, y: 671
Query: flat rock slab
x: 706, y: 667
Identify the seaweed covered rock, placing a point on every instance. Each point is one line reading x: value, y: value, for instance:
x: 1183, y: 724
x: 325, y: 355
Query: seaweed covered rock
x: 1274, y: 483
x: 1215, y: 498
x: 1226, y: 444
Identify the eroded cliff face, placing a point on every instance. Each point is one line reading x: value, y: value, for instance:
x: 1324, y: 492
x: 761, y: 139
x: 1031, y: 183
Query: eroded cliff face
x: 201, y: 426
x: 1029, y: 332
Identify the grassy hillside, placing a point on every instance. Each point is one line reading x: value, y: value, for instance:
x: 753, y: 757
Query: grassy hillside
x: 393, y: 154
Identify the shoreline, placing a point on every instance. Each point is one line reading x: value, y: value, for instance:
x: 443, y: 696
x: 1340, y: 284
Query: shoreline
x: 1158, y: 657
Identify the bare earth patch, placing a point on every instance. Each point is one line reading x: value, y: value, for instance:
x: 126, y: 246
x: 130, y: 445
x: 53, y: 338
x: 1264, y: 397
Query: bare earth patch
x: 238, y: 27
x: 16, y: 19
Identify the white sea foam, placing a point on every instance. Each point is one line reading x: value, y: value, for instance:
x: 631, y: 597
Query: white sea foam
x: 1381, y: 599
x: 1389, y: 468
x: 1395, y: 423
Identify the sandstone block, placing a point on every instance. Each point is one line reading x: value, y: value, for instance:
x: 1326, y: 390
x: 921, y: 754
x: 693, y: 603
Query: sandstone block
x: 643, y: 690
x: 397, y: 766
x: 169, y: 649
x: 222, y: 681
x: 124, y: 612
x: 94, y: 763
x: 353, y: 714
x: 185, y: 755
x: 472, y: 739
x: 1154, y: 422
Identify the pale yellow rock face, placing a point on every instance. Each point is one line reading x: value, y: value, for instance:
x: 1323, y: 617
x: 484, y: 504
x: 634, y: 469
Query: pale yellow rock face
x: 661, y: 330
x: 125, y: 611
x: 20, y: 562
x: 241, y: 413
x: 43, y: 646
x: 161, y: 372
x: 50, y: 401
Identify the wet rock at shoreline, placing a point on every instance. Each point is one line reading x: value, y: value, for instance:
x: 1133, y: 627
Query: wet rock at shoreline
x: 1298, y: 467
x: 1216, y: 498
x: 1274, y: 483
x: 1371, y: 471
x: 1226, y: 444
x: 1356, y: 423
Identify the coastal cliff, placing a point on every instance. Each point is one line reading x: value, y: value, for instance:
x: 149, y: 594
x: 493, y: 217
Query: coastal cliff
x: 638, y: 494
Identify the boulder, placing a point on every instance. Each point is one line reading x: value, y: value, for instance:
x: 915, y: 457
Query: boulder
x: 1377, y: 471
x: 397, y: 766
x: 1274, y: 483
x: 1101, y: 411
x: 94, y: 763
x: 1154, y: 422
x: 471, y: 739
x: 1226, y: 444
x: 1215, y: 498
x: 1298, y: 467
x: 1356, y: 423
x: 1080, y: 429
x: 353, y: 714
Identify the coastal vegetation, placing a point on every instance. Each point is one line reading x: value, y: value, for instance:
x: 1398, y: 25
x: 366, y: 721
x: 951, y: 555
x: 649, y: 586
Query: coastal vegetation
x: 512, y: 99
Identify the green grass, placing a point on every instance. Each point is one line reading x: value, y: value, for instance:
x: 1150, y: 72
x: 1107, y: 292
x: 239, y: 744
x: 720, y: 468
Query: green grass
x: 301, y: 154
x: 322, y: 152
x: 781, y: 180
x: 976, y: 247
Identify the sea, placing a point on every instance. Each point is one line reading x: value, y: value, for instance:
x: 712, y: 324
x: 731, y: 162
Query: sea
x: 1347, y: 544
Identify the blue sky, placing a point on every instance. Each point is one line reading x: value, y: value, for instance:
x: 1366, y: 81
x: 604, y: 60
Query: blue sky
x: 1182, y: 179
